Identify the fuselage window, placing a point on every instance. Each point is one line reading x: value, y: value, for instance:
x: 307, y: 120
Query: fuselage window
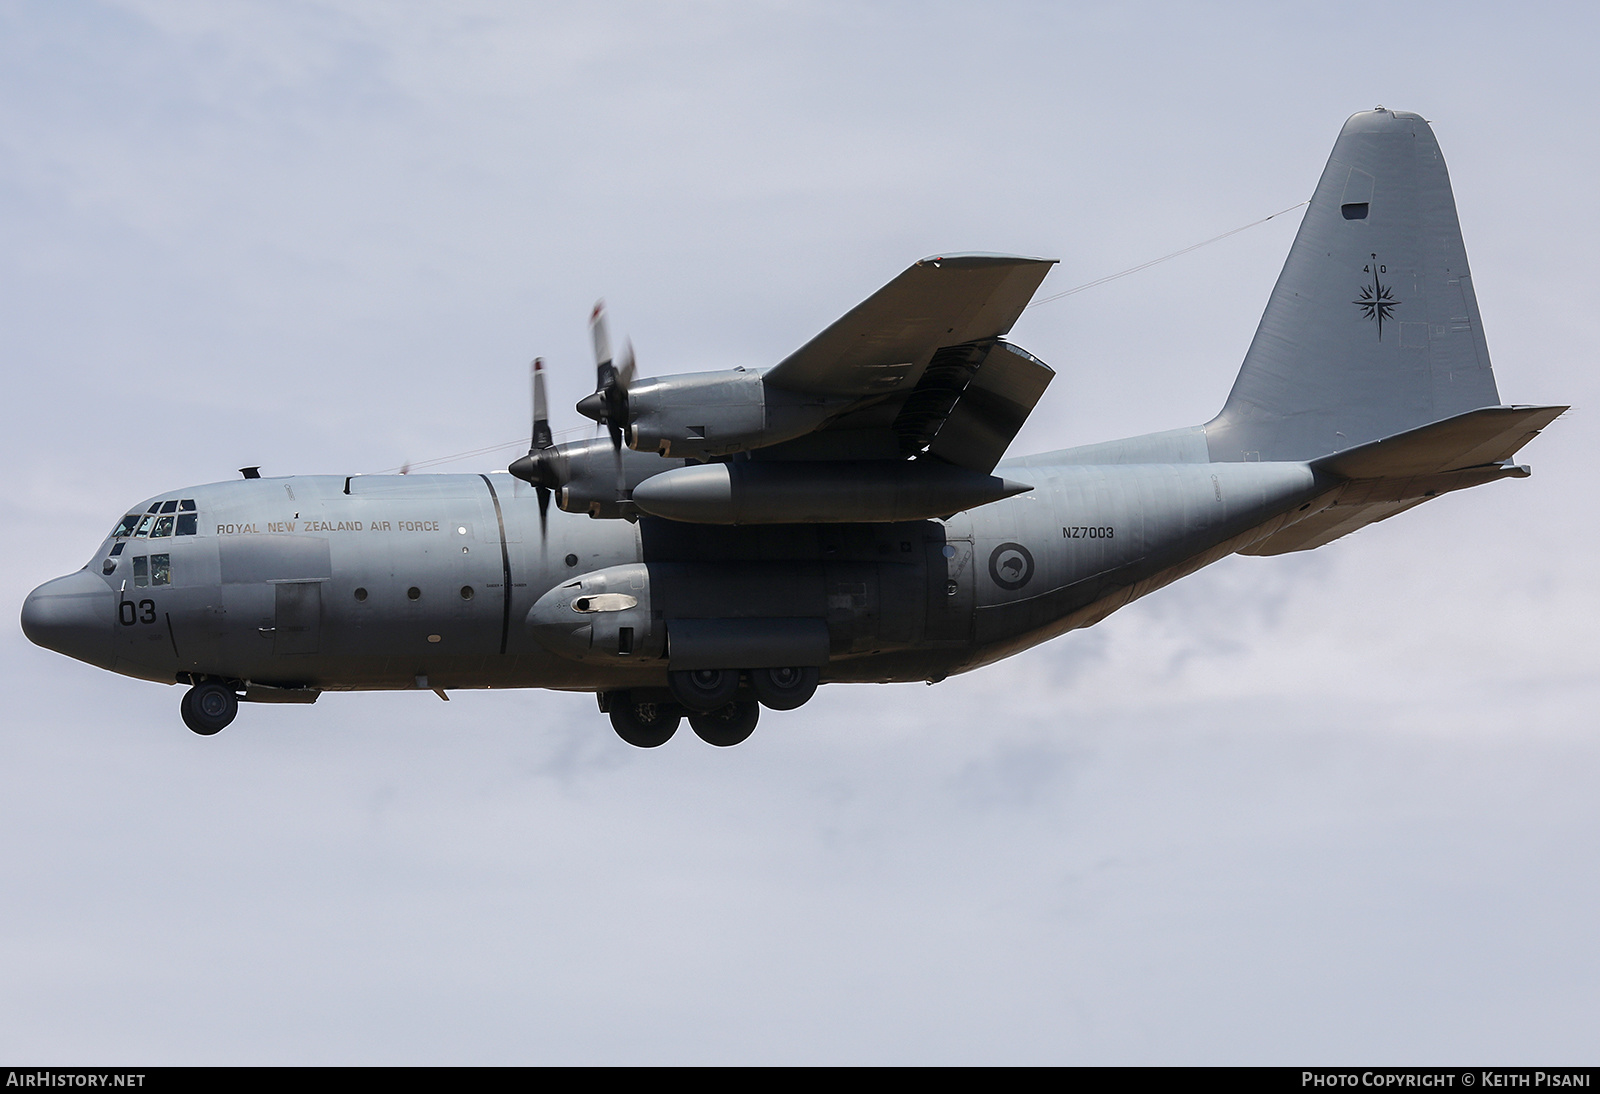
x: 170, y: 506
x: 125, y: 529
x: 188, y: 523
x: 141, y: 571
x: 144, y: 526
x: 163, y: 528
x: 160, y: 569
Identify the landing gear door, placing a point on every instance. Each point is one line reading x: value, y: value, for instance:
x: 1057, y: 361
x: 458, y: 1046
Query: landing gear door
x: 950, y: 580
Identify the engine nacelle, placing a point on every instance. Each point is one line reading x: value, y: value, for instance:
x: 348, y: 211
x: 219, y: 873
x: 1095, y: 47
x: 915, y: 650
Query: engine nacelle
x: 701, y: 414
x: 591, y: 481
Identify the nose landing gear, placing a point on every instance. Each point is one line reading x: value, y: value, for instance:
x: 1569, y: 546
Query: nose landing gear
x: 207, y: 708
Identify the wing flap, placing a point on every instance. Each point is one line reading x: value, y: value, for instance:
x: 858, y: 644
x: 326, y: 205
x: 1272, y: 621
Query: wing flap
x: 992, y: 408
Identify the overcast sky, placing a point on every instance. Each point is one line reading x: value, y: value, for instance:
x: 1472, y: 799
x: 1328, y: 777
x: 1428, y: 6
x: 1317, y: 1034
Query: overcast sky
x: 1330, y: 807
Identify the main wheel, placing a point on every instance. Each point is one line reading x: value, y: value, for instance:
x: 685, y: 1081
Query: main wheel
x: 644, y: 725
x: 727, y: 725
x: 704, y: 689
x: 784, y: 689
x: 208, y: 708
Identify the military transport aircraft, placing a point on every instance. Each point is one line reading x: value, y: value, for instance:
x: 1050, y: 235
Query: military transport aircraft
x: 844, y: 515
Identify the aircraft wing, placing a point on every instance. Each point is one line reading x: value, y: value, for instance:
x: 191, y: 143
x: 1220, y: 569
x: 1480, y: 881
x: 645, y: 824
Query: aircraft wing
x: 921, y: 366
x: 883, y: 343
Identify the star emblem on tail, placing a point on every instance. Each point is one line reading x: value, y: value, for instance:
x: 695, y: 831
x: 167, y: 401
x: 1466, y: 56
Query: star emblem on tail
x: 1377, y: 302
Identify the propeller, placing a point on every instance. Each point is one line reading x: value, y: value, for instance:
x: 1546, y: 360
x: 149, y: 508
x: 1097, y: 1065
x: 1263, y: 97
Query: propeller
x: 608, y: 403
x: 538, y: 467
x: 546, y: 466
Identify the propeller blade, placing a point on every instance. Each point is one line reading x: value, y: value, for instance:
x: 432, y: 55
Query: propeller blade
x: 538, y: 466
x: 602, y: 338
x: 542, y: 437
x: 617, y: 396
x: 625, y: 370
x: 608, y: 403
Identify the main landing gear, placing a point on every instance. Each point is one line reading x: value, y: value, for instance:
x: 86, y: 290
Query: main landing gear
x: 727, y: 725
x: 208, y: 707
x: 717, y: 702
x: 643, y: 724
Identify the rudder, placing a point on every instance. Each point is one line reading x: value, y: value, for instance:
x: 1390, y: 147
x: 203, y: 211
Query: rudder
x: 1373, y: 326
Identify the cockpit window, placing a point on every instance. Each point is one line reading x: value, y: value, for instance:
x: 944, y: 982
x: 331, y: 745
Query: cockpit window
x: 183, y: 521
x: 141, y: 572
x: 160, y: 570
x: 116, y: 549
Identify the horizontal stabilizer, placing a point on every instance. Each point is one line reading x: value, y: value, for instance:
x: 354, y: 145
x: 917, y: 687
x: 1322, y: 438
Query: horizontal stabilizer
x: 1490, y: 435
x: 1387, y: 477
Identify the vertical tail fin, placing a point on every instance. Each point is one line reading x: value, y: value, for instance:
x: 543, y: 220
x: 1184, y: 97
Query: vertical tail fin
x: 1373, y: 327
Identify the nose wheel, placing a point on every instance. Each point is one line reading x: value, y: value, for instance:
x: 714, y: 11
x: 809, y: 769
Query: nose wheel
x: 208, y: 708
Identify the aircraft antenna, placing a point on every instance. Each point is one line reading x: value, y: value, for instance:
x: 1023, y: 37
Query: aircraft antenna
x: 1164, y: 258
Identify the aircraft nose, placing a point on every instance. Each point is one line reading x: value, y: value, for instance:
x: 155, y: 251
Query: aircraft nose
x: 72, y: 615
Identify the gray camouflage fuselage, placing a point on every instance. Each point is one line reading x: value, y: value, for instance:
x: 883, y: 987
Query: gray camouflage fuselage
x: 267, y: 592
